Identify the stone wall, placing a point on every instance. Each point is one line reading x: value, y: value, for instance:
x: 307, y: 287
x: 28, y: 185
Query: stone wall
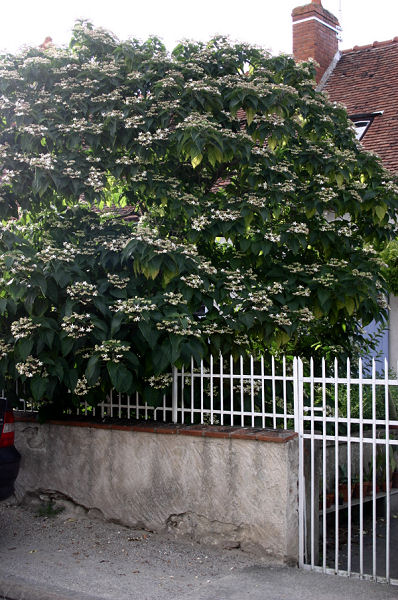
x: 228, y: 486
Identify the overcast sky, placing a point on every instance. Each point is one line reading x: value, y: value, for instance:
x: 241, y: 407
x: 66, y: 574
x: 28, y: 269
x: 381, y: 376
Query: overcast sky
x: 264, y: 22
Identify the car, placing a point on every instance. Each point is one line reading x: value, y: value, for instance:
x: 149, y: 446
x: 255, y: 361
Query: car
x: 9, y: 455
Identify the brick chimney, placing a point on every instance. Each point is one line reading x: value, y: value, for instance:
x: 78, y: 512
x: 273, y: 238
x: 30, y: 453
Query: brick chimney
x: 315, y: 35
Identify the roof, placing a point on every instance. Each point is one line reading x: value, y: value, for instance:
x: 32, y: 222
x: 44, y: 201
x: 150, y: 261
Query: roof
x: 127, y: 213
x: 365, y: 80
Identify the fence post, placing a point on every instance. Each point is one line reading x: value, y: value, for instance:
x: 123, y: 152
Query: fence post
x: 295, y: 394
x: 298, y: 427
x: 174, y: 397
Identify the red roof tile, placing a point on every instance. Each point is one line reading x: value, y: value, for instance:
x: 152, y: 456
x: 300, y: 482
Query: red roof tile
x: 127, y: 213
x: 365, y: 80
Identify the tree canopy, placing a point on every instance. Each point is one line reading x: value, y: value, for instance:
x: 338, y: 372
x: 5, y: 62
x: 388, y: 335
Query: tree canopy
x: 259, y: 212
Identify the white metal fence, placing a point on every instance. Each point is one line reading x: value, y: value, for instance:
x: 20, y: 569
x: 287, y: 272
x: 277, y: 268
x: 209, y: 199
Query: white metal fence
x: 348, y: 445
x: 245, y: 393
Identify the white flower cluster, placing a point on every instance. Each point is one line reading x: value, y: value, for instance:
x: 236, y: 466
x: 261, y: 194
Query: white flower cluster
x: 305, y: 315
x: 31, y: 367
x: 327, y: 280
x: 247, y: 386
x: 82, y: 291
x: 66, y: 254
x: 298, y: 228
x: 5, y: 349
x: 7, y: 176
x: 163, y: 245
x: 22, y: 263
x: 117, y: 244
x: 207, y: 267
x: 193, y: 281
x: 113, y: 96
x: 337, y: 263
x: 82, y: 388
x: 242, y: 339
x: 234, y: 281
x: 272, y: 237
x: 44, y: 161
x: 95, y: 179
x: 134, y: 122
x: 72, y: 173
x: 77, y: 325
x: 346, y: 230
x: 124, y: 160
x: 275, y: 288
x: 34, y: 130
x: 214, y: 328
x: 117, y: 281
x: 302, y: 291
x: 364, y: 274
x: 382, y: 301
x: 133, y: 307
x: 175, y: 326
x: 283, y: 317
x: 80, y: 126
x: 225, y: 215
x: 23, y: 328
x: 112, y: 350
x: 199, y: 223
x: 256, y: 201
x: 159, y: 382
x: 113, y: 114
x: 174, y: 298
x: 260, y: 300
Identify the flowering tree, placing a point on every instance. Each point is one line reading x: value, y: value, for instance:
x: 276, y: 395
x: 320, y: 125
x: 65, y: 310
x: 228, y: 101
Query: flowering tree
x: 259, y: 211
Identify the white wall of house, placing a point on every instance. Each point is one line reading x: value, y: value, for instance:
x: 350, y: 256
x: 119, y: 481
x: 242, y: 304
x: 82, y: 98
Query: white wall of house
x: 393, y: 338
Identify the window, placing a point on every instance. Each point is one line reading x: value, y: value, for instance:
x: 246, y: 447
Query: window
x: 360, y: 128
x: 363, y: 121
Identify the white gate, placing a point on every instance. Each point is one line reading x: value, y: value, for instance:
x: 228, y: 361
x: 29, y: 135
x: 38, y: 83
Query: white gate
x: 348, y: 440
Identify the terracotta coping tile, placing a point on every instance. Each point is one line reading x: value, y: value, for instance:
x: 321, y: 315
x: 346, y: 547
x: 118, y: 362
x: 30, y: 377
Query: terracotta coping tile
x: 210, y: 431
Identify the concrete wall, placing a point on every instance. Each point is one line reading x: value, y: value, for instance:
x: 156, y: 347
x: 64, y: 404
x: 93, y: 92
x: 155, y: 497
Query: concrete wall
x: 234, y: 492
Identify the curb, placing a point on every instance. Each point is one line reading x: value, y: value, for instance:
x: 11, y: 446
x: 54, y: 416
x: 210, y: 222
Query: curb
x: 13, y: 587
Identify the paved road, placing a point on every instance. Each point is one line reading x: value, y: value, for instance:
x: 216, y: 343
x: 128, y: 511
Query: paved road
x: 71, y: 557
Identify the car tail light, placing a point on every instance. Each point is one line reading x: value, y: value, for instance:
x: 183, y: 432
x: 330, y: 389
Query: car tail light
x: 8, y: 433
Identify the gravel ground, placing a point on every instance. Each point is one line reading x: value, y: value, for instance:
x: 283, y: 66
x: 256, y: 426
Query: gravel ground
x: 68, y: 556
x: 106, y: 559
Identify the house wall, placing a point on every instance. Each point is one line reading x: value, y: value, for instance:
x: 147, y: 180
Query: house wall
x: 393, y: 339
x: 381, y: 351
x: 217, y: 490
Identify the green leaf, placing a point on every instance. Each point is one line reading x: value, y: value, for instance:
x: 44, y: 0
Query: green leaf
x: 57, y: 369
x: 93, y: 370
x: 324, y: 296
x: 70, y: 378
x: 196, y: 160
x: 149, y: 333
x: 116, y: 323
x: 38, y: 386
x: 66, y: 345
x: 339, y: 179
x: 48, y: 335
x: 23, y: 348
x: 150, y: 271
x: 121, y: 377
x: 250, y: 112
x: 350, y: 305
x: 380, y: 211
